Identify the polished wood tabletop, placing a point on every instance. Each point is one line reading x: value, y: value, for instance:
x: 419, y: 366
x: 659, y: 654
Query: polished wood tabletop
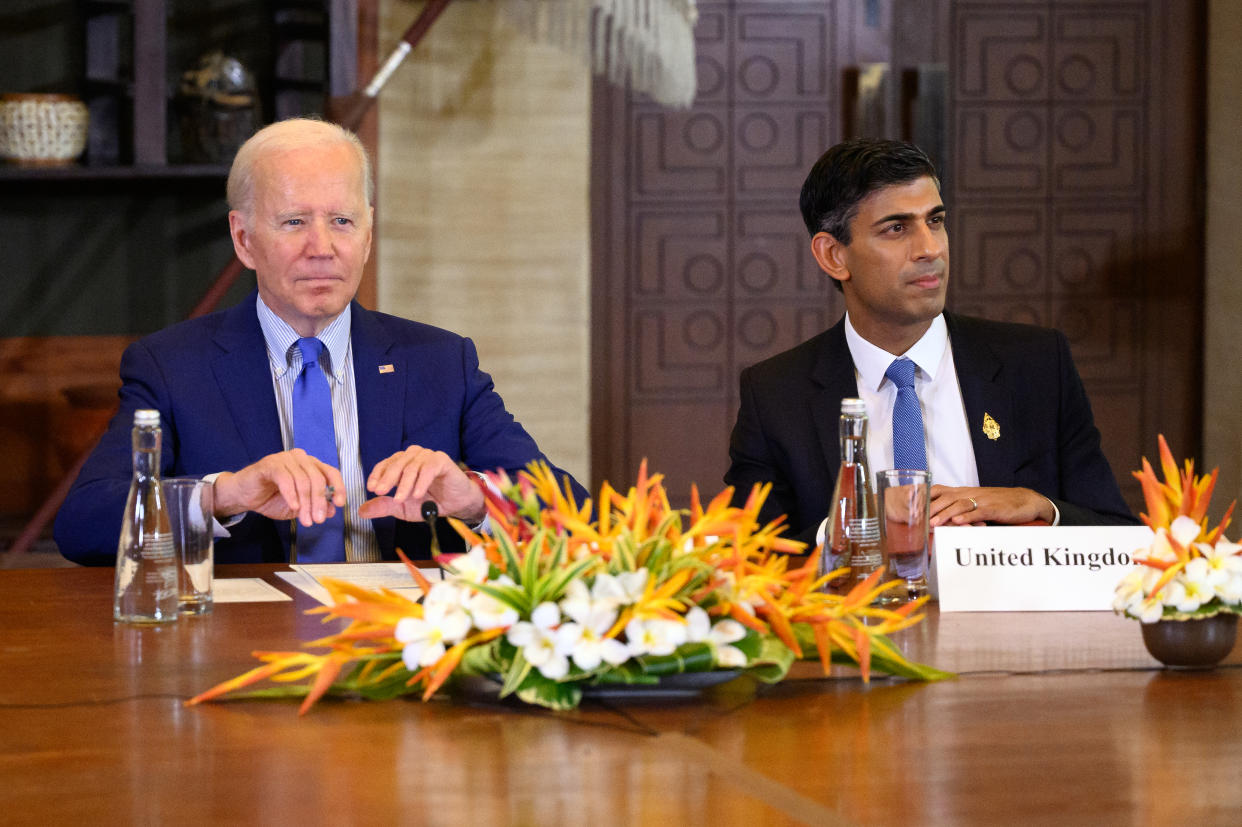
x: 1055, y: 718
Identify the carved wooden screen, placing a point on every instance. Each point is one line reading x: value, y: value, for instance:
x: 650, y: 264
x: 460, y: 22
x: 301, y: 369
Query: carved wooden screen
x: 1072, y: 136
x: 1076, y: 152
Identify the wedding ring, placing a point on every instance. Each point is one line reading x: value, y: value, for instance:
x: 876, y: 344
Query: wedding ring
x: 329, y: 492
x: 973, y: 504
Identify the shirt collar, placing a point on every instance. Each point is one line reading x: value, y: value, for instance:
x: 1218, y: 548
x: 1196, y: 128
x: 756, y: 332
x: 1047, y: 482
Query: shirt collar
x: 281, y: 338
x: 871, y: 361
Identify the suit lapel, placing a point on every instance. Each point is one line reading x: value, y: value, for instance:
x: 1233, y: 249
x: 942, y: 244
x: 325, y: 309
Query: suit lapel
x: 989, y: 405
x: 833, y: 372
x: 240, y: 367
x: 380, y: 378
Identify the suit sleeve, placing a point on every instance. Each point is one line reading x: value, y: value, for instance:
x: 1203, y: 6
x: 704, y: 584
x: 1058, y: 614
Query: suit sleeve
x: 1089, y: 492
x: 753, y: 461
x: 89, y: 521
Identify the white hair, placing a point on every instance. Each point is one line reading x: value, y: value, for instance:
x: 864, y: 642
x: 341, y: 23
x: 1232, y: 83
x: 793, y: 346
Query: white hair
x: 294, y: 133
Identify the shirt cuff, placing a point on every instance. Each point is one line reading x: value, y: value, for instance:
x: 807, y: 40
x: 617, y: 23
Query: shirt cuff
x: 1056, y: 512
x: 221, y: 529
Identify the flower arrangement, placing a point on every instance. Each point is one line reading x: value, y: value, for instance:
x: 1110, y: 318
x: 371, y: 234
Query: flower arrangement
x: 1189, y: 571
x: 551, y: 601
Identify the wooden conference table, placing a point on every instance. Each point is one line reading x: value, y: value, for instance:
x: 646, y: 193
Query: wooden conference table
x: 1056, y: 718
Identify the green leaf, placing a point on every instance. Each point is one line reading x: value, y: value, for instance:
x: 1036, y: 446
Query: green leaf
x: 514, y: 597
x: 773, y: 660
x: 530, y: 565
x: 508, y: 551
x: 560, y: 579
x: 517, y: 675
x: 484, y: 659
x: 551, y: 694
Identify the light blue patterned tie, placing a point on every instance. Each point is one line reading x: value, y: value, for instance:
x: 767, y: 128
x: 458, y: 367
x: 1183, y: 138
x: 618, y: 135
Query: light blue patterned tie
x: 314, y: 433
x: 909, y: 450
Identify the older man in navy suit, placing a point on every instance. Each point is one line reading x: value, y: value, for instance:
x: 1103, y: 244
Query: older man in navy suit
x: 1008, y: 434
x: 410, y: 410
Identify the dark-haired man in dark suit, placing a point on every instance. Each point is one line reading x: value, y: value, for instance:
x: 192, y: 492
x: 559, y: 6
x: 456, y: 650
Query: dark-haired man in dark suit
x: 1009, y: 435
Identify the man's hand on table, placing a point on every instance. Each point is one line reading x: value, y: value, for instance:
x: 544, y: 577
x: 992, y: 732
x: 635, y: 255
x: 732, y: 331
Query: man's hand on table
x: 404, y: 481
x: 283, y: 486
x: 976, y: 506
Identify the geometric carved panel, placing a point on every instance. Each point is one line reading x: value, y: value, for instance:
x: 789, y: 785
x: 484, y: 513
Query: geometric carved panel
x: 999, y: 251
x: 1097, y: 148
x: 679, y: 255
x: 1104, y: 336
x: 1002, y: 54
x: 782, y: 55
x: 679, y: 350
x: 772, y: 257
x: 1001, y: 150
x: 774, y: 148
x: 1095, y: 248
x: 711, y: 56
x: 767, y: 328
x: 681, y: 154
x: 1097, y: 55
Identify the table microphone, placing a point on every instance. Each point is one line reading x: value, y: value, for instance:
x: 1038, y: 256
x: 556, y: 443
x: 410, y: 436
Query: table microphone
x: 430, y: 512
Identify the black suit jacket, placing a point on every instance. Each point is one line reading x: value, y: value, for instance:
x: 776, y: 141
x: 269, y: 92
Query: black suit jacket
x: 1022, y: 376
x: 209, y: 378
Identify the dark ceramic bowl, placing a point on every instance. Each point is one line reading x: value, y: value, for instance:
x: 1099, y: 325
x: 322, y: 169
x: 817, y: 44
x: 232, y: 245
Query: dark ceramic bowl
x: 1195, y: 643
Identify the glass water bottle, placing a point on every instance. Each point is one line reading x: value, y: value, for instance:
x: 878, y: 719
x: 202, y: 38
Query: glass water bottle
x: 853, y: 535
x: 145, y: 589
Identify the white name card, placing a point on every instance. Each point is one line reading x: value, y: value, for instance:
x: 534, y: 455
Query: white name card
x: 1033, y: 568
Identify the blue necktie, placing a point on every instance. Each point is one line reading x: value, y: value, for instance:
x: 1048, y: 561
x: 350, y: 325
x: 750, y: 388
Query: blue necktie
x: 314, y: 433
x: 909, y: 450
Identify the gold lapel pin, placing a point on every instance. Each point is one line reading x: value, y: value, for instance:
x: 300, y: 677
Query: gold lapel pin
x: 991, y: 428
x: 386, y: 368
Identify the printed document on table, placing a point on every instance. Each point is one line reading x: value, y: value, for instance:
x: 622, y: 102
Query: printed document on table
x: 393, y: 576
x: 244, y: 590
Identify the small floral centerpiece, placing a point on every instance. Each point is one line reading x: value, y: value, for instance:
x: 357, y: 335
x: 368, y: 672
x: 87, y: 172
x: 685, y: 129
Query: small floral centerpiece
x: 1190, y: 571
x: 551, y: 601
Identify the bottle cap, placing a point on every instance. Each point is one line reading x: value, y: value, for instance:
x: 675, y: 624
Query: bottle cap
x: 853, y: 407
x: 146, y: 416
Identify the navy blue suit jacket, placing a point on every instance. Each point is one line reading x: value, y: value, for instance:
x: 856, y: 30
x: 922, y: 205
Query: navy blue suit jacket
x: 209, y: 378
x: 787, y: 429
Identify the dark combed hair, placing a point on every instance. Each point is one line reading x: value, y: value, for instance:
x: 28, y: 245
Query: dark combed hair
x: 849, y: 172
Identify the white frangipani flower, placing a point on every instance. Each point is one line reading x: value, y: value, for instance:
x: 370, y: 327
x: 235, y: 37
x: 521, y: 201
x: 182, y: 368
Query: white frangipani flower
x: 1225, y: 560
x: 1185, y: 530
x: 1191, y: 588
x: 445, y: 593
x: 624, y: 589
x: 654, y: 637
x: 490, y: 613
x: 471, y: 567
x: 584, y: 637
x: 537, y: 640
x: 699, y: 628
x: 425, y: 637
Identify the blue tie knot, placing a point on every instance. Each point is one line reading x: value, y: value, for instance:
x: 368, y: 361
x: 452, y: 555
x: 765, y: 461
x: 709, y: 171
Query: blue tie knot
x: 901, y: 373
x: 311, y: 347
